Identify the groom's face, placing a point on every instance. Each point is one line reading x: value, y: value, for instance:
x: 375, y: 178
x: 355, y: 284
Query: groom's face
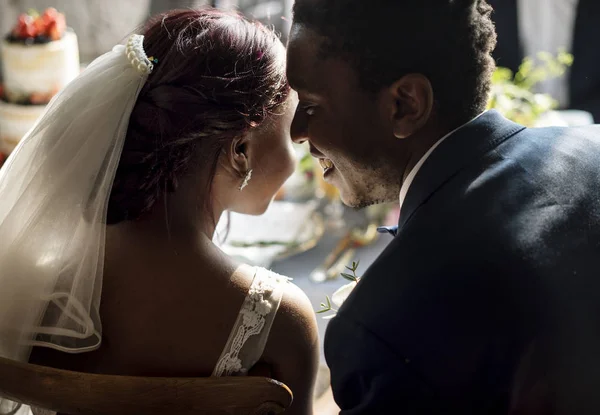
x: 346, y: 127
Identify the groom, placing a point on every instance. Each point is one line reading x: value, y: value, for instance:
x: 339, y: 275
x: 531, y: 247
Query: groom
x: 487, y: 300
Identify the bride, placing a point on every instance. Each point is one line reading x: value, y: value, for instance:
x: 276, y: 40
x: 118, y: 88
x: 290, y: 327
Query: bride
x: 109, y: 205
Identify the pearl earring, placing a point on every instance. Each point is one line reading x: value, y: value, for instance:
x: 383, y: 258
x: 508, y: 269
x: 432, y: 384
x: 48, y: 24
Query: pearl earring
x: 247, y: 178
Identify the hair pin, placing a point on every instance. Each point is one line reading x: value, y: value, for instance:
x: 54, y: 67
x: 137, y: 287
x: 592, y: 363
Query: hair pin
x: 153, y: 59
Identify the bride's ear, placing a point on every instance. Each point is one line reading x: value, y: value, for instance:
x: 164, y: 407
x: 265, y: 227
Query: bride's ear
x: 239, y: 155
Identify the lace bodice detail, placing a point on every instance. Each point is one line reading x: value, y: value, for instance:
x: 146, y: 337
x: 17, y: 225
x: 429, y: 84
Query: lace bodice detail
x: 250, y: 332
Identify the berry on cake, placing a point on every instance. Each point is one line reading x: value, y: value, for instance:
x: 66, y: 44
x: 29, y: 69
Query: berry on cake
x: 35, y: 28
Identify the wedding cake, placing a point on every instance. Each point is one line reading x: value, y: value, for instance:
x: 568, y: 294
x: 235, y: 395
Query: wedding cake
x: 39, y: 57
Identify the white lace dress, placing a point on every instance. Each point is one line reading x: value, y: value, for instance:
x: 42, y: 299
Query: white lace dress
x: 251, y: 329
x: 250, y: 332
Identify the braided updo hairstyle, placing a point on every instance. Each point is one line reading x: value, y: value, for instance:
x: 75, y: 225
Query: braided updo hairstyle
x: 218, y: 76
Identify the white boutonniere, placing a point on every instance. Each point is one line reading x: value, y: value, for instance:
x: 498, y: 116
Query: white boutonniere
x: 341, y: 294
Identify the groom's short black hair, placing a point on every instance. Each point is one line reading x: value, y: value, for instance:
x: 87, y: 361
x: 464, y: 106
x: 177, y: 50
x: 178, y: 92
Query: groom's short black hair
x: 449, y: 41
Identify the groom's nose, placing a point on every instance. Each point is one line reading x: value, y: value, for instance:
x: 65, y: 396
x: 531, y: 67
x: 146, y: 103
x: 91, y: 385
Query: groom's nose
x: 299, y: 128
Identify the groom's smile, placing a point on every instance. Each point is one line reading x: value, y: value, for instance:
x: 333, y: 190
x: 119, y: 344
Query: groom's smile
x: 327, y: 166
x: 346, y: 127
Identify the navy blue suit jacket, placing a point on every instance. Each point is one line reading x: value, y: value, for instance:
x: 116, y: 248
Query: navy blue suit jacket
x: 488, y: 299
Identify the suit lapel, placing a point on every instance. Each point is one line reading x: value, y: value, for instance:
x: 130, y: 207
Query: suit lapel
x: 460, y: 149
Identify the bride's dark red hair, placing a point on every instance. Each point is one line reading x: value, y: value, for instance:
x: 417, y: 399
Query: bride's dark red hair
x: 217, y: 76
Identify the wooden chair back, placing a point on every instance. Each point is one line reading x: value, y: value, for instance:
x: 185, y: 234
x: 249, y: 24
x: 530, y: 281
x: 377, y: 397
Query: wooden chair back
x: 74, y: 393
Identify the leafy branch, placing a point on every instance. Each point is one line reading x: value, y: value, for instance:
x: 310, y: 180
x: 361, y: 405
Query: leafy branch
x: 341, y: 294
x: 353, y: 268
x: 326, y: 307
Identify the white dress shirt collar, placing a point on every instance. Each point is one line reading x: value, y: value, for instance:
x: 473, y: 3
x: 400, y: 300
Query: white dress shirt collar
x: 411, y: 176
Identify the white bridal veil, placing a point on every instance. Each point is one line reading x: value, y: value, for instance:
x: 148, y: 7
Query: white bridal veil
x: 54, y: 191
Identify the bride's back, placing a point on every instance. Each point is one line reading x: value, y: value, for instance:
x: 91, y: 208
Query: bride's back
x: 170, y: 313
x: 165, y: 310
x: 209, y: 133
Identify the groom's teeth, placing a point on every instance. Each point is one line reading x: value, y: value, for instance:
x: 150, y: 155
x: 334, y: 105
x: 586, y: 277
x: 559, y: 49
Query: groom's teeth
x: 326, y: 164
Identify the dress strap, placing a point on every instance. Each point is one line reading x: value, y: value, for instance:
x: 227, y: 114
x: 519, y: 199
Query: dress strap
x: 250, y: 332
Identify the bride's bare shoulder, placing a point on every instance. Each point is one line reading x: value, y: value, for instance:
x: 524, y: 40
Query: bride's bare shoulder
x: 296, y: 315
x: 295, y: 312
x: 293, y: 347
x: 243, y: 275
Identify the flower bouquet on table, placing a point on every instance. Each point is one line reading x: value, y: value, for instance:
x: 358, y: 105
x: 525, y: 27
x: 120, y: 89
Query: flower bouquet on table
x: 514, y: 96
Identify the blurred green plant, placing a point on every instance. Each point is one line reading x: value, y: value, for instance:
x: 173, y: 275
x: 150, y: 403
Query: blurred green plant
x: 306, y: 163
x: 513, y: 94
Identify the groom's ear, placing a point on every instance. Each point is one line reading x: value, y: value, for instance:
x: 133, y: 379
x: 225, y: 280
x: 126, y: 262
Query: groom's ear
x: 238, y: 155
x: 412, y: 101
